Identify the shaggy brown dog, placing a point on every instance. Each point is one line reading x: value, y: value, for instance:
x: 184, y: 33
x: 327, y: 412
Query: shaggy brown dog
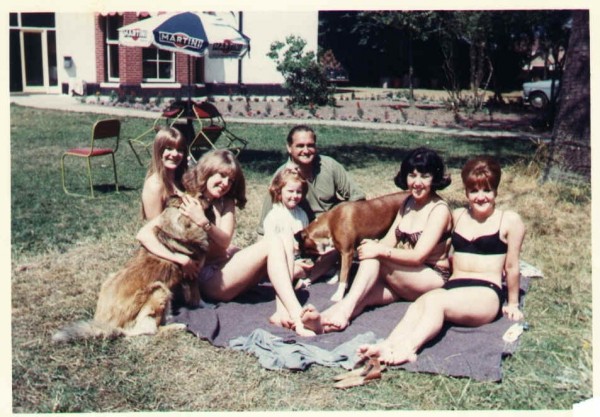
x: 344, y: 226
x: 135, y: 300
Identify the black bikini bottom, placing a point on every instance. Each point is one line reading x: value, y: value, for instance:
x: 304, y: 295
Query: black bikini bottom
x: 470, y: 282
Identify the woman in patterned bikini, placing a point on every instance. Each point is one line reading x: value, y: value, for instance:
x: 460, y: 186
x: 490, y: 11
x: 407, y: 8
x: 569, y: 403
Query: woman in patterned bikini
x: 486, y: 243
x: 412, y: 258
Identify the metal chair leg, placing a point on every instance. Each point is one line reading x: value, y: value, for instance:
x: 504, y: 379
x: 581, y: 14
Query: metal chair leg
x: 115, y: 172
x: 89, y: 168
x: 135, y: 153
x: 62, y: 173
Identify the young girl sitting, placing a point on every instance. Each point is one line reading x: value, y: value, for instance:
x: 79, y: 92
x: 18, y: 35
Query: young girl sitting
x: 285, y: 219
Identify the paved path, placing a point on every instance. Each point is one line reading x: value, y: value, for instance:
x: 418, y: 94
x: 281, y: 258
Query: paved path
x: 68, y: 103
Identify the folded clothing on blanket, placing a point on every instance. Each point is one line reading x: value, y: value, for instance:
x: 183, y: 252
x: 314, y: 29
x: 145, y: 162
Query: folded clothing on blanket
x: 243, y: 324
x: 274, y: 352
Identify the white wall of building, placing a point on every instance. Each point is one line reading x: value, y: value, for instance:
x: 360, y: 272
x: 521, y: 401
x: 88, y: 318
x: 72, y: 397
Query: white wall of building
x: 75, y: 38
x: 266, y: 27
x: 222, y: 70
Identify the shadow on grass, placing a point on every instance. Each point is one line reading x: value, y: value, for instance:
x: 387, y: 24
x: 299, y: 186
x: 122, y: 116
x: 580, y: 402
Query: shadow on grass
x: 110, y: 188
x: 455, y: 151
x: 261, y: 161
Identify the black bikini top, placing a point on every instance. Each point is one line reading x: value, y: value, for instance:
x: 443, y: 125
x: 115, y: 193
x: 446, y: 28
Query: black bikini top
x: 482, y: 245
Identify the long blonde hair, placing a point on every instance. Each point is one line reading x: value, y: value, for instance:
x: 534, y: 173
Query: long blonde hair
x: 168, y: 137
x: 220, y: 161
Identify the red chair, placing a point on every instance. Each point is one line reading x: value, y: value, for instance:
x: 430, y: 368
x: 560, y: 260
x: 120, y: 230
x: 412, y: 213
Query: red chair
x: 170, y: 116
x: 212, y: 127
x: 107, y: 131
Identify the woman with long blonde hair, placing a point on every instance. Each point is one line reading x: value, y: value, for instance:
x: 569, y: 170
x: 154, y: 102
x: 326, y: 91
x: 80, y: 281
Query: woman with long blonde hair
x: 165, y: 173
x: 219, y: 184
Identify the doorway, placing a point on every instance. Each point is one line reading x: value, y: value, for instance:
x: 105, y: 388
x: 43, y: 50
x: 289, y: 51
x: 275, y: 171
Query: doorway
x: 33, y: 65
x: 38, y: 60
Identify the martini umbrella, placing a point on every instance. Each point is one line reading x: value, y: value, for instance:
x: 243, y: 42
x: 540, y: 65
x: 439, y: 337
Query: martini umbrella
x: 196, y: 34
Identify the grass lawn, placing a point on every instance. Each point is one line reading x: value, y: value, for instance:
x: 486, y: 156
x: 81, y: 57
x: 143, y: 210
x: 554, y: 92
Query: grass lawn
x: 63, y: 247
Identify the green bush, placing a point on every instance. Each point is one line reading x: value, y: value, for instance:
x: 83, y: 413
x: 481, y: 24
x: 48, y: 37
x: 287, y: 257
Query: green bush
x: 304, y: 77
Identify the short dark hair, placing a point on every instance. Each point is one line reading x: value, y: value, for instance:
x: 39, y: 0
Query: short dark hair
x: 300, y: 128
x: 425, y: 161
x: 481, y: 171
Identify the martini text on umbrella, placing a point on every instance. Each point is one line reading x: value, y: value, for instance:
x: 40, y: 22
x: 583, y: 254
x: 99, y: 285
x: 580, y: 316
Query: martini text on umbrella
x: 135, y: 34
x: 180, y: 40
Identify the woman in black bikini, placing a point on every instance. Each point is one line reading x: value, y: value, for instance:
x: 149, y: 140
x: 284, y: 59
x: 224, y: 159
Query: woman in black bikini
x: 486, y: 243
x: 412, y: 258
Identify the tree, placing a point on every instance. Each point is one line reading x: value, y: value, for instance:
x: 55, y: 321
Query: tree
x: 570, y: 150
x: 304, y: 76
x: 409, y: 25
x: 471, y: 48
x: 454, y: 31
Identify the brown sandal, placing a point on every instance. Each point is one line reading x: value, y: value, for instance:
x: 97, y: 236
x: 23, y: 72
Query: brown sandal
x: 372, y: 370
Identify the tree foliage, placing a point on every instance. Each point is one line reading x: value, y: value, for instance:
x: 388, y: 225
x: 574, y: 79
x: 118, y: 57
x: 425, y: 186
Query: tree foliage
x: 371, y: 26
x: 471, y: 49
x: 304, y: 77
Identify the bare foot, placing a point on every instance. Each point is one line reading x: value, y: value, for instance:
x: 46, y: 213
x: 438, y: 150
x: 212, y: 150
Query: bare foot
x: 301, y: 330
x: 311, y: 319
x: 335, y: 318
x: 388, y: 354
x: 281, y: 319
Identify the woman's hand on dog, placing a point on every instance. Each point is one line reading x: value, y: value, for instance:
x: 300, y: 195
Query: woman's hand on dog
x: 192, y: 208
x: 190, y: 267
x: 369, y: 249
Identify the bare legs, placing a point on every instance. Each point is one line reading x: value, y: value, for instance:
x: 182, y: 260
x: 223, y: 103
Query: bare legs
x: 337, y: 317
x: 242, y: 271
x: 425, y: 317
x: 248, y: 266
x: 379, y: 283
x: 280, y: 268
x: 323, y: 264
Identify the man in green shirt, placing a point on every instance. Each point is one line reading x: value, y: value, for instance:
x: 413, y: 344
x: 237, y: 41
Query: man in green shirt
x: 328, y: 181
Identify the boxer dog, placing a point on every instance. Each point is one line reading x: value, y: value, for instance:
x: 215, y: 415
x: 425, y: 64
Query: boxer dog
x: 345, y: 226
x: 135, y: 300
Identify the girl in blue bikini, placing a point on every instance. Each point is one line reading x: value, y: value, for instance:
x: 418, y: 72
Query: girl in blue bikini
x: 486, y: 245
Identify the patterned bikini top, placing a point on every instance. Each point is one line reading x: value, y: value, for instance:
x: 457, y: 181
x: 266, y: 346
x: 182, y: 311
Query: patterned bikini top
x: 481, y: 245
x: 411, y: 238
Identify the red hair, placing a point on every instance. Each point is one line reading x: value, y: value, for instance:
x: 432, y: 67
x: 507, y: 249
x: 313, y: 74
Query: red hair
x: 481, y: 172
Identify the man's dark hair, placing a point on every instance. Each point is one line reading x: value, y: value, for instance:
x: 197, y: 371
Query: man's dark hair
x: 300, y: 128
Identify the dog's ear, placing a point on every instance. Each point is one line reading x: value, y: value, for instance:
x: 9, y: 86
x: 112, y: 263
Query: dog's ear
x: 299, y: 236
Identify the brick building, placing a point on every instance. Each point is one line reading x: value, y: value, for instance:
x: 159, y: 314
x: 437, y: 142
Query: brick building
x: 66, y: 53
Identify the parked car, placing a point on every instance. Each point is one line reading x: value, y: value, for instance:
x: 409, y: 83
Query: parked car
x: 538, y: 93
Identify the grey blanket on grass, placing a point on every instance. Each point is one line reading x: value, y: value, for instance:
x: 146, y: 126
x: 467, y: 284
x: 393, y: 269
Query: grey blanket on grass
x: 243, y: 324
